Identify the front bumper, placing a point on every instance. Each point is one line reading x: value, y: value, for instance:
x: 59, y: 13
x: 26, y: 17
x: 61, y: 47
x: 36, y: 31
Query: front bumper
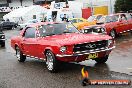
x: 86, y: 52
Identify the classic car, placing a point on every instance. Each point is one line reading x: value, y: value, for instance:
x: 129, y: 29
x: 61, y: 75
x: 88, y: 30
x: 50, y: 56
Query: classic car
x: 96, y: 29
x: 60, y: 42
x: 2, y: 39
x: 116, y: 23
x: 7, y: 25
x: 79, y: 23
x: 94, y: 18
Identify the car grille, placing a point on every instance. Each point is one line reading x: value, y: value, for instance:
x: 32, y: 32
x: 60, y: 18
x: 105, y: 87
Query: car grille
x: 90, y: 46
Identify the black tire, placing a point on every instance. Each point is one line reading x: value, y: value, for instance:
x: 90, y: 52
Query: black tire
x: 113, y: 33
x: 19, y: 55
x: 51, y: 62
x: 101, y: 60
x: 3, y: 44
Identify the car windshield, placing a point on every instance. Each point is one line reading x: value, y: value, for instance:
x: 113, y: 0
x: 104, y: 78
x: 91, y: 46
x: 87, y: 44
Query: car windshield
x: 91, y: 18
x: 73, y: 20
x: 33, y: 21
x: 57, y: 29
x: 107, y: 19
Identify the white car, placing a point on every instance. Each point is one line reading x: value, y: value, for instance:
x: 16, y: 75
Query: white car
x: 27, y: 23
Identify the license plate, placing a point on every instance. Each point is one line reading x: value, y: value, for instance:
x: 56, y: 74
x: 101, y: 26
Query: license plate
x: 92, y: 56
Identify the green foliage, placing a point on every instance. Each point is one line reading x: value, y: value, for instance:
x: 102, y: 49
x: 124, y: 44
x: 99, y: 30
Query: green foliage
x: 123, y: 5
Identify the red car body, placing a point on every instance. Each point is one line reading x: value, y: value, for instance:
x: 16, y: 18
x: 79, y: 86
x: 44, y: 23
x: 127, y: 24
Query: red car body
x: 119, y: 23
x: 76, y: 45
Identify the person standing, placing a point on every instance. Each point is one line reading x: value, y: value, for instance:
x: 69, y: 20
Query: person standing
x: 65, y: 19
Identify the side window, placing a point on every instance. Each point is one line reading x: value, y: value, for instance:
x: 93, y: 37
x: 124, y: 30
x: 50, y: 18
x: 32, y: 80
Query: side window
x: 128, y: 16
x: 123, y: 17
x: 30, y: 33
x: 98, y: 17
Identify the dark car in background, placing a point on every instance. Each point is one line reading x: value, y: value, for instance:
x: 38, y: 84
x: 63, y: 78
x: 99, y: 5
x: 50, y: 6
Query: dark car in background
x: 2, y: 39
x: 116, y: 24
x: 7, y: 25
x: 96, y: 29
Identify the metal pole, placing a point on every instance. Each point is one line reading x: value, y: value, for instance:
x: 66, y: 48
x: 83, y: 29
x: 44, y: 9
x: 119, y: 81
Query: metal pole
x: 91, y: 7
x: 111, y: 7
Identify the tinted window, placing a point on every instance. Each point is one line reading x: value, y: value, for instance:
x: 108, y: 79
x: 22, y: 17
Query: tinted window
x: 30, y: 33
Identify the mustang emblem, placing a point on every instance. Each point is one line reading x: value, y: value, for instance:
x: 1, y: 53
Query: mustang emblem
x: 91, y: 46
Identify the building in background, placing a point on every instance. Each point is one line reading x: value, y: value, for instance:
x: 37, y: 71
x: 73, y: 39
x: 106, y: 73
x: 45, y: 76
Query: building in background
x: 84, y: 9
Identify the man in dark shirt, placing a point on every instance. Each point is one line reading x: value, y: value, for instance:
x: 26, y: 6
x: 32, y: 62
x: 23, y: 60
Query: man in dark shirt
x: 64, y: 18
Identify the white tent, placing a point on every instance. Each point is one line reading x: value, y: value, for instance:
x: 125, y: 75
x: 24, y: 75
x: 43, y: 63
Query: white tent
x: 24, y: 14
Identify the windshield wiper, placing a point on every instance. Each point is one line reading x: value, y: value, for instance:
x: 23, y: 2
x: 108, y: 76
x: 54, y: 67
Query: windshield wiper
x: 48, y: 35
x: 67, y: 32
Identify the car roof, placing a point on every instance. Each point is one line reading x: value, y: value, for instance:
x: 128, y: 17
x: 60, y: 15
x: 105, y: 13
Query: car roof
x: 76, y: 18
x: 117, y: 14
x: 42, y: 23
x: 93, y: 26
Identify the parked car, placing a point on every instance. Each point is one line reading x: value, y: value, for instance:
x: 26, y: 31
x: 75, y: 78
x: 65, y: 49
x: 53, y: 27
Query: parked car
x: 7, y: 25
x: 27, y: 23
x: 116, y: 23
x: 94, y: 18
x: 79, y: 23
x: 60, y: 42
x: 96, y: 29
x: 2, y: 39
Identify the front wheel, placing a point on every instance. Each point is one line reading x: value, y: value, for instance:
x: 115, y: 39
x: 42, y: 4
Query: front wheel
x: 3, y: 44
x: 19, y: 55
x: 113, y: 33
x: 101, y: 60
x: 51, y: 62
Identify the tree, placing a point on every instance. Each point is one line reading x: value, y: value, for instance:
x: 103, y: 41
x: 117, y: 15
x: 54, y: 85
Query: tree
x: 123, y: 5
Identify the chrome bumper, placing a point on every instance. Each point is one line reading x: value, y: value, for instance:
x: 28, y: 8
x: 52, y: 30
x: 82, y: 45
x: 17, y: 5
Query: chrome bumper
x: 85, y: 52
x: 2, y: 39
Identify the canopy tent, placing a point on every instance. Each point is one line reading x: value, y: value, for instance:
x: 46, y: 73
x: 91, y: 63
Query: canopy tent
x: 25, y: 13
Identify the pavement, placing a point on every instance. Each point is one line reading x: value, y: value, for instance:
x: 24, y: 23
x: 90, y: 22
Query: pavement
x: 34, y: 74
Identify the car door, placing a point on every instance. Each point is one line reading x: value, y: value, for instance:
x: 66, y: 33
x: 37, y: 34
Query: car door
x: 123, y: 23
x: 129, y: 19
x: 30, y: 42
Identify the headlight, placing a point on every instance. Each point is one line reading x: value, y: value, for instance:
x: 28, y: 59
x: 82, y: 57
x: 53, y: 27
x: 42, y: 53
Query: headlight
x: 109, y: 42
x: 63, y: 49
x: 2, y: 36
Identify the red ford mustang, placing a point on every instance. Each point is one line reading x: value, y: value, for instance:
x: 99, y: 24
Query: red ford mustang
x: 57, y: 42
x: 116, y: 23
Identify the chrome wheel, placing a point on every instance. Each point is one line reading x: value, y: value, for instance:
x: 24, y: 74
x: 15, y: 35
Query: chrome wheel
x: 18, y: 53
x: 49, y: 61
x: 112, y: 33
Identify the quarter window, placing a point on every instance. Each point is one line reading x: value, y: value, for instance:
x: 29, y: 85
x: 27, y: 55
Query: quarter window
x: 30, y: 33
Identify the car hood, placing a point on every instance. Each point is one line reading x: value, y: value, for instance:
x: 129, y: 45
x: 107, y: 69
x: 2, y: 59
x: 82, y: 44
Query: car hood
x: 76, y: 38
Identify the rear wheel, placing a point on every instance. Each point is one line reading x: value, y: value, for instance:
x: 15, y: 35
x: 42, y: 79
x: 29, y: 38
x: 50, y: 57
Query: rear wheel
x: 51, y: 62
x: 3, y: 44
x: 113, y: 33
x: 101, y: 60
x: 19, y: 55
